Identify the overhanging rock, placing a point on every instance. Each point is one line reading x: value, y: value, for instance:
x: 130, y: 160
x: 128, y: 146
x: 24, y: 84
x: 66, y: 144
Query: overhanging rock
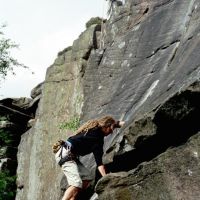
x: 172, y: 175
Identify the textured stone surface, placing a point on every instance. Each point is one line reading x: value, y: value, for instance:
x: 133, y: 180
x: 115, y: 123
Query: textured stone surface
x: 37, y: 91
x: 146, y: 73
x: 174, y: 175
x: 22, y: 106
x: 62, y: 99
x: 146, y: 63
x: 141, y: 68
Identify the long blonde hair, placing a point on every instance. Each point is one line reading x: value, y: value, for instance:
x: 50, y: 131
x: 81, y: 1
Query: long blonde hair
x: 96, y: 123
x: 56, y: 146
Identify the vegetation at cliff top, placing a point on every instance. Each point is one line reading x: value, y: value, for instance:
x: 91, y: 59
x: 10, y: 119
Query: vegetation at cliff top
x: 73, y: 124
x: 7, y: 62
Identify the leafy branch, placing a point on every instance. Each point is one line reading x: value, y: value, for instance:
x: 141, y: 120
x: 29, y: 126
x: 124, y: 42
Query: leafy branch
x: 7, y: 62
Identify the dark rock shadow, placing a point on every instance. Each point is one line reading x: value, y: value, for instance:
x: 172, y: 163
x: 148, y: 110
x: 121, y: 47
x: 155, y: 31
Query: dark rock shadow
x: 177, y: 120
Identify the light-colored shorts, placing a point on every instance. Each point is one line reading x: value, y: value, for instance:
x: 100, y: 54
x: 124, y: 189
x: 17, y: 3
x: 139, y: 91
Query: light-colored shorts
x: 76, y: 172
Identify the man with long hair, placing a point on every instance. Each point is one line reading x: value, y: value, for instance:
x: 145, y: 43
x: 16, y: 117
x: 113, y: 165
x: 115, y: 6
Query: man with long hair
x: 88, y: 139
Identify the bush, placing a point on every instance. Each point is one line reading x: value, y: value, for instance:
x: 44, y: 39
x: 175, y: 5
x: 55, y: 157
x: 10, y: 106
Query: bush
x: 7, y: 186
x: 6, y: 138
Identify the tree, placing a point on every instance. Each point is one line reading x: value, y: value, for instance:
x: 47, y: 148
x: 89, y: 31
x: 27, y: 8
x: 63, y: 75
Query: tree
x: 7, y: 62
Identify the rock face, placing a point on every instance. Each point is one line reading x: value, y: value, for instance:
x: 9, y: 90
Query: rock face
x: 172, y: 175
x: 14, y: 116
x: 62, y: 99
x: 147, y: 73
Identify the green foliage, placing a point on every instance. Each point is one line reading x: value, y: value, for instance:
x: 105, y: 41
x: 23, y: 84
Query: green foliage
x: 5, y: 137
x: 3, y: 118
x: 7, y: 62
x: 94, y: 20
x: 72, y: 124
x: 7, y: 186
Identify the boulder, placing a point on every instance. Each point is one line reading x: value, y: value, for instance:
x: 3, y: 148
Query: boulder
x: 173, y: 175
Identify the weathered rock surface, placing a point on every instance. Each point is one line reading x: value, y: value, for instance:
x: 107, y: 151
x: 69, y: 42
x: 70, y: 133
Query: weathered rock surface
x: 173, y: 175
x: 146, y: 73
x: 37, y: 91
x: 62, y: 99
x: 22, y: 106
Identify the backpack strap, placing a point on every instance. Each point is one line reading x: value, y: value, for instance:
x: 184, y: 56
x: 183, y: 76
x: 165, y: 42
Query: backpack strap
x: 60, y: 154
x: 70, y: 155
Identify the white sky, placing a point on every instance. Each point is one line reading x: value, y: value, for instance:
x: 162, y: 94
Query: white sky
x: 42, y: 28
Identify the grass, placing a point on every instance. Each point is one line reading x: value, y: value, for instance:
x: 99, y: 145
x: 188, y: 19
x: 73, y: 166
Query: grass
x: 73, y: 124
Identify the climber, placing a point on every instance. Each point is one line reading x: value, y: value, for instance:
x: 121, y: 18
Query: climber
x: 88, y: 139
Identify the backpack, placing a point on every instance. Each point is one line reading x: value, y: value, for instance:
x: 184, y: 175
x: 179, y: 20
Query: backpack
x: 62, y: 151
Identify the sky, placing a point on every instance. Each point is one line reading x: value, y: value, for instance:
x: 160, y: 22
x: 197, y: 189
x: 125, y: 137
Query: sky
x: 41, y: 28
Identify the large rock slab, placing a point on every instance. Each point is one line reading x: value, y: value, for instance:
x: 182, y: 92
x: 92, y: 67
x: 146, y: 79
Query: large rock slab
x: 173, y: 175
x: 146, y: 63
x: 140, y: 66
x: 61, y: 100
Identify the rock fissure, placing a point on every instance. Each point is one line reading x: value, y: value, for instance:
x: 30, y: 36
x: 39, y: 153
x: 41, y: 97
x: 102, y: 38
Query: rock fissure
x: 173, y: 55
x: 87, y: 54
x: 100, y: 57
x: 189, y: 14
x: 62, y: 80
x: 190, y: 11
x: 163, y: 47
x: 163, y: 4
x: 122, y: 15
x: 10, y: 110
